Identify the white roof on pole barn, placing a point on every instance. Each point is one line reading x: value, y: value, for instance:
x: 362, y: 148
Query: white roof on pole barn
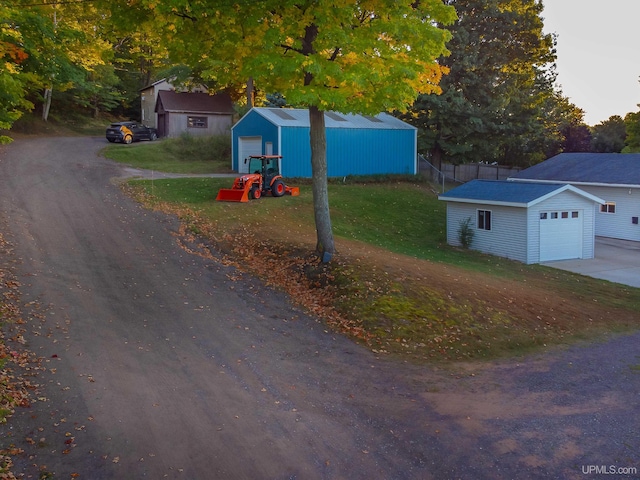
x: 294, y: 117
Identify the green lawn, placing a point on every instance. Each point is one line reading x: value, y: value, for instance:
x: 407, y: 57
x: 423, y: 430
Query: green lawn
x: 197, y: 155
x: 425, y: 319
x: 403, y: 217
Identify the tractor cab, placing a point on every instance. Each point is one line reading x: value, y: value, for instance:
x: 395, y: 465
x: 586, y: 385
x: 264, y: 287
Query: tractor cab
x: 266, y: 165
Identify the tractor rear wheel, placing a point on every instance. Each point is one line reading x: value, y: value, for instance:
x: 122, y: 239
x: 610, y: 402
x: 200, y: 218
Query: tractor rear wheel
x: 255, y: 193
x: 278, y: 188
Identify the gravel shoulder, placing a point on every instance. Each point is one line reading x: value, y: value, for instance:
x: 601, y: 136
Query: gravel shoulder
x: 160, y: 363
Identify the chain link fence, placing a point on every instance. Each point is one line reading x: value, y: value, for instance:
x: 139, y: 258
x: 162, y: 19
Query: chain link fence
x: 453, y: 175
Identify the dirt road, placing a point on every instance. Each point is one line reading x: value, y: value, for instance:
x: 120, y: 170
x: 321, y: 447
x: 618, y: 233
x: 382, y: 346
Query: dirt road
x: 164, y: 364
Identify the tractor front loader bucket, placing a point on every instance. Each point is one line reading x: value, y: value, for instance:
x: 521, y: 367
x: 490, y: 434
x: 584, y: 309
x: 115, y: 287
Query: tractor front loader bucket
x: 233, y: 195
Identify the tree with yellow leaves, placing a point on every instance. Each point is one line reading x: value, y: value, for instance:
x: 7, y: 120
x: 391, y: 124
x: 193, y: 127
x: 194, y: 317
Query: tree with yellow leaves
x: 350, y: 56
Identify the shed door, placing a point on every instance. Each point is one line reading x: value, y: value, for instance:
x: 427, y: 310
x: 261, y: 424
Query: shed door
x: 248, y: 146
x: 561, y: 235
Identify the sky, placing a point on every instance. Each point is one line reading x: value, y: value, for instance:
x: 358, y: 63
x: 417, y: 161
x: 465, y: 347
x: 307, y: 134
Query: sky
x: 598, y: 59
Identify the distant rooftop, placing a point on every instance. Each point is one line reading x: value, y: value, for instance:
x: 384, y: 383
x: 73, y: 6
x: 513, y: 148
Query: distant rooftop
x: 587, y: 168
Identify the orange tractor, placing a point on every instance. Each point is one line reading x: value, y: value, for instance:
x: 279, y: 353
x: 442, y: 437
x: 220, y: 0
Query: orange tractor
x: 266, y: 180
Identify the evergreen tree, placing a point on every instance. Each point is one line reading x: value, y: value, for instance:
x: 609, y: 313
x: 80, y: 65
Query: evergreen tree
x: 609, y: 136
x: 501, y: 74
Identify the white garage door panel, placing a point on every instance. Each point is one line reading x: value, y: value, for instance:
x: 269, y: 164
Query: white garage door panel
x: 248, y: 146
x: 561, y: 238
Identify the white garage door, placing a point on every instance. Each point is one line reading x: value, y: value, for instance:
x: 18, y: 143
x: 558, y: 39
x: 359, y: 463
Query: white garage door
x: 248, y: 146
x: 560, y: 235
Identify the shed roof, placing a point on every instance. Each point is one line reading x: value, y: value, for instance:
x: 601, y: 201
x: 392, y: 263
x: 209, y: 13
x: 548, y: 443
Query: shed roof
x: 507, y: 193
x: 157, y: 82
x: 295, y: 117
x: 615, y: 169
x: 191, y: 102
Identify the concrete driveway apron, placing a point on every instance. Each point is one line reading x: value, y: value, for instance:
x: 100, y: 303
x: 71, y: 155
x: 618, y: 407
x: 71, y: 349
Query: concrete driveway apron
x: 615, y: 260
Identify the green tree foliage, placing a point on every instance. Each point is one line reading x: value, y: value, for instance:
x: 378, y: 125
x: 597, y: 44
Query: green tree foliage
x: 139, y: 54
x: 566, y: 130
x: 60, y: 47
x: 501, y: 76
x: 94, y: 85
x: 577, y: 138
x: 12, y: 78
x: 609, y: 136
x: 352, y: 57
x: 632, y: 139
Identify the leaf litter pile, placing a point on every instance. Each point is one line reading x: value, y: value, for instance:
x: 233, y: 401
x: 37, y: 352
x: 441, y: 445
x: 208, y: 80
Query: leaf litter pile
x: 18, y: 366
x: 398, y: 305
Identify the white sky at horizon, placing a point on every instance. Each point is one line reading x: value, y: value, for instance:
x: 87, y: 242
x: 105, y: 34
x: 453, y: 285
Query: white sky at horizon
x: 598, y: 54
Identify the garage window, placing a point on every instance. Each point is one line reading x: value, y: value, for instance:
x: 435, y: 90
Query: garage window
x: 609, y: 207
x: 197, y: 122
x: 484, y: 219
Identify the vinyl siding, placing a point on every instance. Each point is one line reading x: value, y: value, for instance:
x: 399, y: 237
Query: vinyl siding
x: 507, y: 237
x: 617, y: 225
x: 515, y: 232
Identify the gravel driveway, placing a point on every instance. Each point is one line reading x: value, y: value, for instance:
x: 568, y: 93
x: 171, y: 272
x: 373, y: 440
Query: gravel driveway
x: 165, y: 364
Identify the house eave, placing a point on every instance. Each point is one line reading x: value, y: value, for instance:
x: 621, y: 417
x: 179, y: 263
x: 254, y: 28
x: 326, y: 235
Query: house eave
x: 570, y: 188
x: 483, y: 202
x: 588, y: 184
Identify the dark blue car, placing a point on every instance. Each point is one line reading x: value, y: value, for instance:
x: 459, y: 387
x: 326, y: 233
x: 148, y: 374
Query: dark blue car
x: 127, y: 132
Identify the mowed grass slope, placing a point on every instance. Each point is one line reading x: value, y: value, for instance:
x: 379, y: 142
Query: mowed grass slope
x: 394, y: 284
x: 197, y: 155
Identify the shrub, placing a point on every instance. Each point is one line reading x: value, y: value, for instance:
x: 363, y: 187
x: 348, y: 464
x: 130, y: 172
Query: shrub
x: 465, y: 232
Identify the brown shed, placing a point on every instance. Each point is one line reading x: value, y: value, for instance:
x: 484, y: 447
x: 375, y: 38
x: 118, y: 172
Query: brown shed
x: 193, y: 113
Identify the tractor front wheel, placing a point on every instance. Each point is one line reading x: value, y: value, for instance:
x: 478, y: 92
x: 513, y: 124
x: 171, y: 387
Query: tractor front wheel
x: 278, y: 188
x: 255, y: 193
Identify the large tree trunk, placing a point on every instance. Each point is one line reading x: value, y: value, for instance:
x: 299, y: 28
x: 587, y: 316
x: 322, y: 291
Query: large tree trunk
x: 325, y: 246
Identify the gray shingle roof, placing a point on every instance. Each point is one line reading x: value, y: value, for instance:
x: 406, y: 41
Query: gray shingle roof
x: 587, y: 168
x: 295, y: 117
x: 505, y: 192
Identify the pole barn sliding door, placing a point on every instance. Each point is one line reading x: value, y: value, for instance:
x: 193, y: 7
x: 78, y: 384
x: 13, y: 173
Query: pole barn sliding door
x: 248, y: 146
